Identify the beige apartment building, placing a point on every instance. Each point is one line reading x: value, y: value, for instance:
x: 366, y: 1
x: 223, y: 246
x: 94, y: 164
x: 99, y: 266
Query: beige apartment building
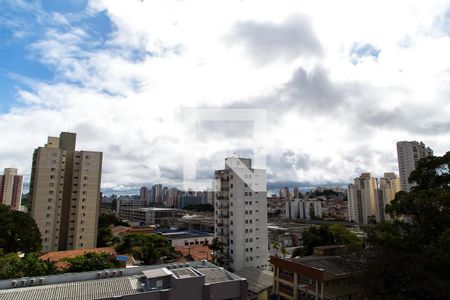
x: 65, y: 194
x: 11, y: 188
x: 389, y: 186
x: 362, y: 199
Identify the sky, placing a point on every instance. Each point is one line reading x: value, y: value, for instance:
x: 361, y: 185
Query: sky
x: 341, y: 82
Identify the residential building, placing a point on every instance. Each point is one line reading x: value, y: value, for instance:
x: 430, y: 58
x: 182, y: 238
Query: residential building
x: 317, y: 277
x: 362, y: 199
x: 208, y: 197
x: 408, y: 154
x: 285, y: 194
x: 199, y: 280
x: 11, y: 188
x: 144, y: 195
x: 389, y: 186
x: 157, y: 194
x: 190, y: 199
x: 241, y: 214
x: 303, y: 209
x: 65, y: 194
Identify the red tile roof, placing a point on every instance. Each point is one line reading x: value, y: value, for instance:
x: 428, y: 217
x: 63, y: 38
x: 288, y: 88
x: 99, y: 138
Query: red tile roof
x: 58, y: 256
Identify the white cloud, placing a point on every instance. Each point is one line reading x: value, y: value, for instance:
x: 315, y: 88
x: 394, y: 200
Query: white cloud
x: 329, y: 117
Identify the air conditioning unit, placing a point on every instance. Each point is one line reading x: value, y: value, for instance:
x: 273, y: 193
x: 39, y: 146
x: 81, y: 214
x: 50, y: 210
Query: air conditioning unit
x: 120, y: 272
x: 14, y: 283
x: 32, y: 280
x: 22, y: 282
x: 106, y: 274
x: 113, y: 274
x: 41, y: 280
x: 99, y: 274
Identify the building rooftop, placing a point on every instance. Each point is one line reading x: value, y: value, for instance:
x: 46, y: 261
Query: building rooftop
x: 82, y: 290
x: 258, y: 280
x: 58, y: 256
x: 109, y: 283
x: 155, y: 209
x: 213, y: 275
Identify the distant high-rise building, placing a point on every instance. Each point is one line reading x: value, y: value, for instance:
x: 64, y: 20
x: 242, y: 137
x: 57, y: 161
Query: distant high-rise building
x: 144, y: 195
x: 362, y: 199
x: 11, y: 188
x: 241, y: 214
x: 408, y: 154
x: 296, y: 191
x: 65, y: 194
x: 157, y: 194
x: 303, y: 209
x: 284, y: 193
x: 389, y: 186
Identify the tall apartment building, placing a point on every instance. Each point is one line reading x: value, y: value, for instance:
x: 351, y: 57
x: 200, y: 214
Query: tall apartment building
x: 157, y: 194
x: 11, y: 188
x: 389, y: 186
x: 408, y: 154
x: 65, y: 194
x: 241, y: 214
x: 362, y: 199
x: 144, y: 195
x: 303, y: 209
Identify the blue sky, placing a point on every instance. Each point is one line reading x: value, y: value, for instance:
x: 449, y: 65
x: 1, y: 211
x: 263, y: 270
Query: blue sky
x: 341, y: 82
x: 23, y: 24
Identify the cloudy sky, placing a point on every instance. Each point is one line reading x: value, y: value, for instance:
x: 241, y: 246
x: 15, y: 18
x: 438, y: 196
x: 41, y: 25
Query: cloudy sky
x: 341, y: 82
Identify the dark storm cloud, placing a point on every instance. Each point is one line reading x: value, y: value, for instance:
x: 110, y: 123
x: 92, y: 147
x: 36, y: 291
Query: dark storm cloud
x: 415, y: 119
x: 266, y: 41
x: 307, y: 91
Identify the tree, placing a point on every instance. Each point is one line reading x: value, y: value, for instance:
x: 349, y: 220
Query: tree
x: 150, y: 249
x: 312, y: 212
x: 18, y: 232
x: 412, y: 253
x: 107, y: 219
x: 216, y: 246
x: 91, y: 261
x: 324, y: 235
x: 14, y: 266
x: 104, y: 237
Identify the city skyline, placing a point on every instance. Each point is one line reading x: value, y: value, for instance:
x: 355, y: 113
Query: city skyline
x: 338, y: 97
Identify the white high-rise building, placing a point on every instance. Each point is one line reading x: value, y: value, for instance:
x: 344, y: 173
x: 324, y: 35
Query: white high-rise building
x: 241, y: 214
x: 408, y: 154
x: 362, y: 199
x: 389, y: 186
x: 302, y: 209
x: 11, y: 188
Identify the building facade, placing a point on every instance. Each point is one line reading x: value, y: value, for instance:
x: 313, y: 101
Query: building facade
x: 197, y: 280
x: 317, y: 277
x: 303, y: 209
x: 144, y: 216
x: 241, y: 214
x: 362, y: 195
x: 65, y: 194
x: 408, y: 154
x: 11, y: 188
x: 389, y: 186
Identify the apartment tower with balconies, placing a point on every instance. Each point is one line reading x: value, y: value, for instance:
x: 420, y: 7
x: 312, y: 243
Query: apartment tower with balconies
x: 241, y: 214
x: 65, y: 194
